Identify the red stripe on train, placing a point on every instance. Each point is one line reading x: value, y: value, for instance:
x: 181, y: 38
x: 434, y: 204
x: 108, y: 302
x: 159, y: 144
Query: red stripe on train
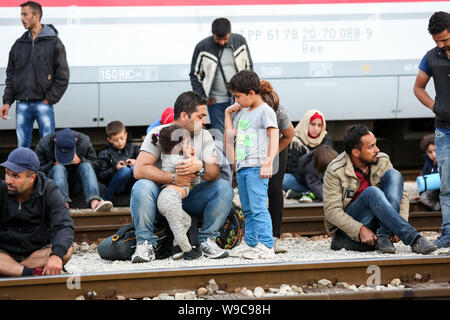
x: 135, y: 3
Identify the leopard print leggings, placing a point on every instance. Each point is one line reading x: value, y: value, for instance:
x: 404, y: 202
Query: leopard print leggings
x: 170, y: 206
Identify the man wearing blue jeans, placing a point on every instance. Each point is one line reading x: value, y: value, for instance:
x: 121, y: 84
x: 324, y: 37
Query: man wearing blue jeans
x: 436, y: 64
x: 364, y: 201
x: 210, y: 199
x: 68, y: 158
x: 37, y: 76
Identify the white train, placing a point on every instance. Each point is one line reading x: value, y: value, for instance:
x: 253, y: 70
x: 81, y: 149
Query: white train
x: 129, y: 59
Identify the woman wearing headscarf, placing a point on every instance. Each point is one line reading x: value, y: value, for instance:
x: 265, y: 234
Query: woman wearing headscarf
x: 309, y: 134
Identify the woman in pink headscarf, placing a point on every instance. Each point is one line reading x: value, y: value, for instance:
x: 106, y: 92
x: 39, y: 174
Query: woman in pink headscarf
x: 309, y: 134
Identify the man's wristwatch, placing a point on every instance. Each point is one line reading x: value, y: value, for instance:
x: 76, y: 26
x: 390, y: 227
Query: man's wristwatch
x: 202, y: 170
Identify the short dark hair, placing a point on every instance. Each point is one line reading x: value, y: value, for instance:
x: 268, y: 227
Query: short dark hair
x: 167, y: 137
x: 244, y: 81
x: 187, y: 102
x: 426, y: 141
x: 439, y: 21
x: 352, y: 137
x: 221, y: 27
x: 322, y: 157
x: 35, y: 7
x: 114, y: 127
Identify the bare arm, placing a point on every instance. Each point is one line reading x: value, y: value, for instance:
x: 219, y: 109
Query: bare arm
x: 419, y: 90
x: 272, y: 151
x: 145, y: 168
x: 286, y: 138
x: 230, y: 133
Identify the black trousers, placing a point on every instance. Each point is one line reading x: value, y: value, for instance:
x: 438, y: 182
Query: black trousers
x: 275, y: 192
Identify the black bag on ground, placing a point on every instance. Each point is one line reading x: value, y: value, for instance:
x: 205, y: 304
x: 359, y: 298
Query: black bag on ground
x: 122, y: 244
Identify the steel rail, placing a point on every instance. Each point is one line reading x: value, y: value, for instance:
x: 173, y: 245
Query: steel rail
x: 148, y: 283
x: 305, y: 219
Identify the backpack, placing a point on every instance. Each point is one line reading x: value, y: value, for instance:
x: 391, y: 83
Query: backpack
x: 233, y: 230
x: 122, y: 244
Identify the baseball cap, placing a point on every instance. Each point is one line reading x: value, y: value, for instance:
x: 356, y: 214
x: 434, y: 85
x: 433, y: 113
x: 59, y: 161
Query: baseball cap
x: 21, y: 159
x: 65, y: 146
x: 167, y: 116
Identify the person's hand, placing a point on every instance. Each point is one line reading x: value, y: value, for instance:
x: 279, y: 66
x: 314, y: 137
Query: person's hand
x: 233, y: 108
x: 189, y: 166
x: 367, y: 236
x: 395, y: 239
x: 121, y: 164
x: 184, y: 180
x: 4, y: 111
x: 45, y: 101
x: 210, y: 102
x: 53, y: 266
x: 130, y: 162
x: 76, y: 159
x: 266, y: 170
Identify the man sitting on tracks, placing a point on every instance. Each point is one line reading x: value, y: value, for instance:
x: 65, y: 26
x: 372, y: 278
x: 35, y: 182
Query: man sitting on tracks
x: 364, y: 200
x: 210, y: 199
x: 36, y: 230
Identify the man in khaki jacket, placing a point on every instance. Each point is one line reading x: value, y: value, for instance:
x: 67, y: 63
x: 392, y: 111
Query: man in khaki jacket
x: 364, y: 200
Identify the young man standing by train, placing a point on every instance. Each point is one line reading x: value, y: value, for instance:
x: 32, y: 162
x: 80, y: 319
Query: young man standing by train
x: 37, y: 76
x: 436, y: 64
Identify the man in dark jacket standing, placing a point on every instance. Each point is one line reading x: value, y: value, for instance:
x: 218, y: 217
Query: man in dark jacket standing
x: 215, y: 61
x: 69, y: 158
x: 36, y: 230
x: 37, y: 76
x: 436, y: 64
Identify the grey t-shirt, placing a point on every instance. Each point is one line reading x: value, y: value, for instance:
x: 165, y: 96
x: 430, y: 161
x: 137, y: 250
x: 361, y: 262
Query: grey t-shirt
x: 252, y: 141
x: 203, y: 144
x: 283, y: 119
x: 219, y: 89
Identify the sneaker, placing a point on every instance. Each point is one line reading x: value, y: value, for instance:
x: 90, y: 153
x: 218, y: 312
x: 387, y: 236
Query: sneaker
x: 195, y: 253
x: 423, y: 246
x: 307, y: 197
x: 237, y: 252
x: 212, y: 250
x: 443, y: 241
x: 384, y: 245
x: 278, y: 248
x: 144, y: 253
x: 292, y: 194
x: 103, y: 206
x: 259, y: 252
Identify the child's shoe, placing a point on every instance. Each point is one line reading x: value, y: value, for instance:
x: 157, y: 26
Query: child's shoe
x: 307, y: 197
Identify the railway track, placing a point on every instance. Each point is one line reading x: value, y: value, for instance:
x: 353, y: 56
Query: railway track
x: 434, y: 272
x: 305, y: 219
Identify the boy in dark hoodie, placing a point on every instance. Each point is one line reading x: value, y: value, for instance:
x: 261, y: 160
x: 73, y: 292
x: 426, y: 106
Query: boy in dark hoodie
x: 117, y: 161
x: 429, y: 198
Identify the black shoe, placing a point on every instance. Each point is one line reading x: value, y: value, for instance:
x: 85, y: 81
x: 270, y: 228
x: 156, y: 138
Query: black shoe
x: 423, y: 246
x: 384, y: 245
x: 195, y: 253
x: 342, y: 241
x: 292, y: 194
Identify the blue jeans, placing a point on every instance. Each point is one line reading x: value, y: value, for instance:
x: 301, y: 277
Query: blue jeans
x: 210, y: 200
x: 217, y: 115
x: 26, y: 113
x: 253, y: 195
x: 121, y: 182
x: 442, y: 143
x: 378, y: 208
x: 289, y: 182
x: 82, y: 179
